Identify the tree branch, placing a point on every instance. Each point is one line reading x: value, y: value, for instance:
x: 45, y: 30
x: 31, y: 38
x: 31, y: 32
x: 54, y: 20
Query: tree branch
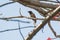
x: 33, y: 33
x: 6, y: 4
x: 37, y: 3
x: 57, y: 36
x: 7, y: 18
x: 16, y: 29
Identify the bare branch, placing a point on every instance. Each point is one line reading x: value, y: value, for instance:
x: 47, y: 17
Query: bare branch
x: 33, y: 33
x: 39, y: 9
x: 36, y: 3
x: 16, y: 29
x: 6, y: 4
x: 52, y: 29
x: 57, y: 36
x: 9, y: 18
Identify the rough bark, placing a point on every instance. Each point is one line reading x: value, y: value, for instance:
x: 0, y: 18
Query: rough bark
x: 32, y: 34
x: 35, y: 4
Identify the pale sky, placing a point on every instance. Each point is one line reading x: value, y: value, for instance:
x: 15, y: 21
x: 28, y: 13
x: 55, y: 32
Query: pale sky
x: 13, y: 10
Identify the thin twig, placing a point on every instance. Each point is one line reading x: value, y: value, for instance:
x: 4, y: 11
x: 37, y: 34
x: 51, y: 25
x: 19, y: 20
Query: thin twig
x: 18, y: 21
x: 16, y: 29
x: 20, y: 31
x: 57, y: 36
x: 6, y: 4
x: 20, y: 12
x: 49, y: 24
x: 7, y: 18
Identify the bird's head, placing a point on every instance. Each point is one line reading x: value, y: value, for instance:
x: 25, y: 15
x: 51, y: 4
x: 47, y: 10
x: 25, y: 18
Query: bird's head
x: 30, y: 12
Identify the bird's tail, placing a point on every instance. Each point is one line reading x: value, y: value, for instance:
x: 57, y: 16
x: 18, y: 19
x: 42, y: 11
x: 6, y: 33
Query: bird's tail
x: 34, y: 24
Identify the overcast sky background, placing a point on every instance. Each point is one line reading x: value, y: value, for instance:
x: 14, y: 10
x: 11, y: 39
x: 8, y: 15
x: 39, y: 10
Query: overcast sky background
x: 13, y: 10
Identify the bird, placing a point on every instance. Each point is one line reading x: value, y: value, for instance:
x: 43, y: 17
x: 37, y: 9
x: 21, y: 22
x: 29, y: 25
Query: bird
x: 32, y: 15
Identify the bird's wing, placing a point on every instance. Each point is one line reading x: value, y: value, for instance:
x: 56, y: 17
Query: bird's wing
x: 32, y: 15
